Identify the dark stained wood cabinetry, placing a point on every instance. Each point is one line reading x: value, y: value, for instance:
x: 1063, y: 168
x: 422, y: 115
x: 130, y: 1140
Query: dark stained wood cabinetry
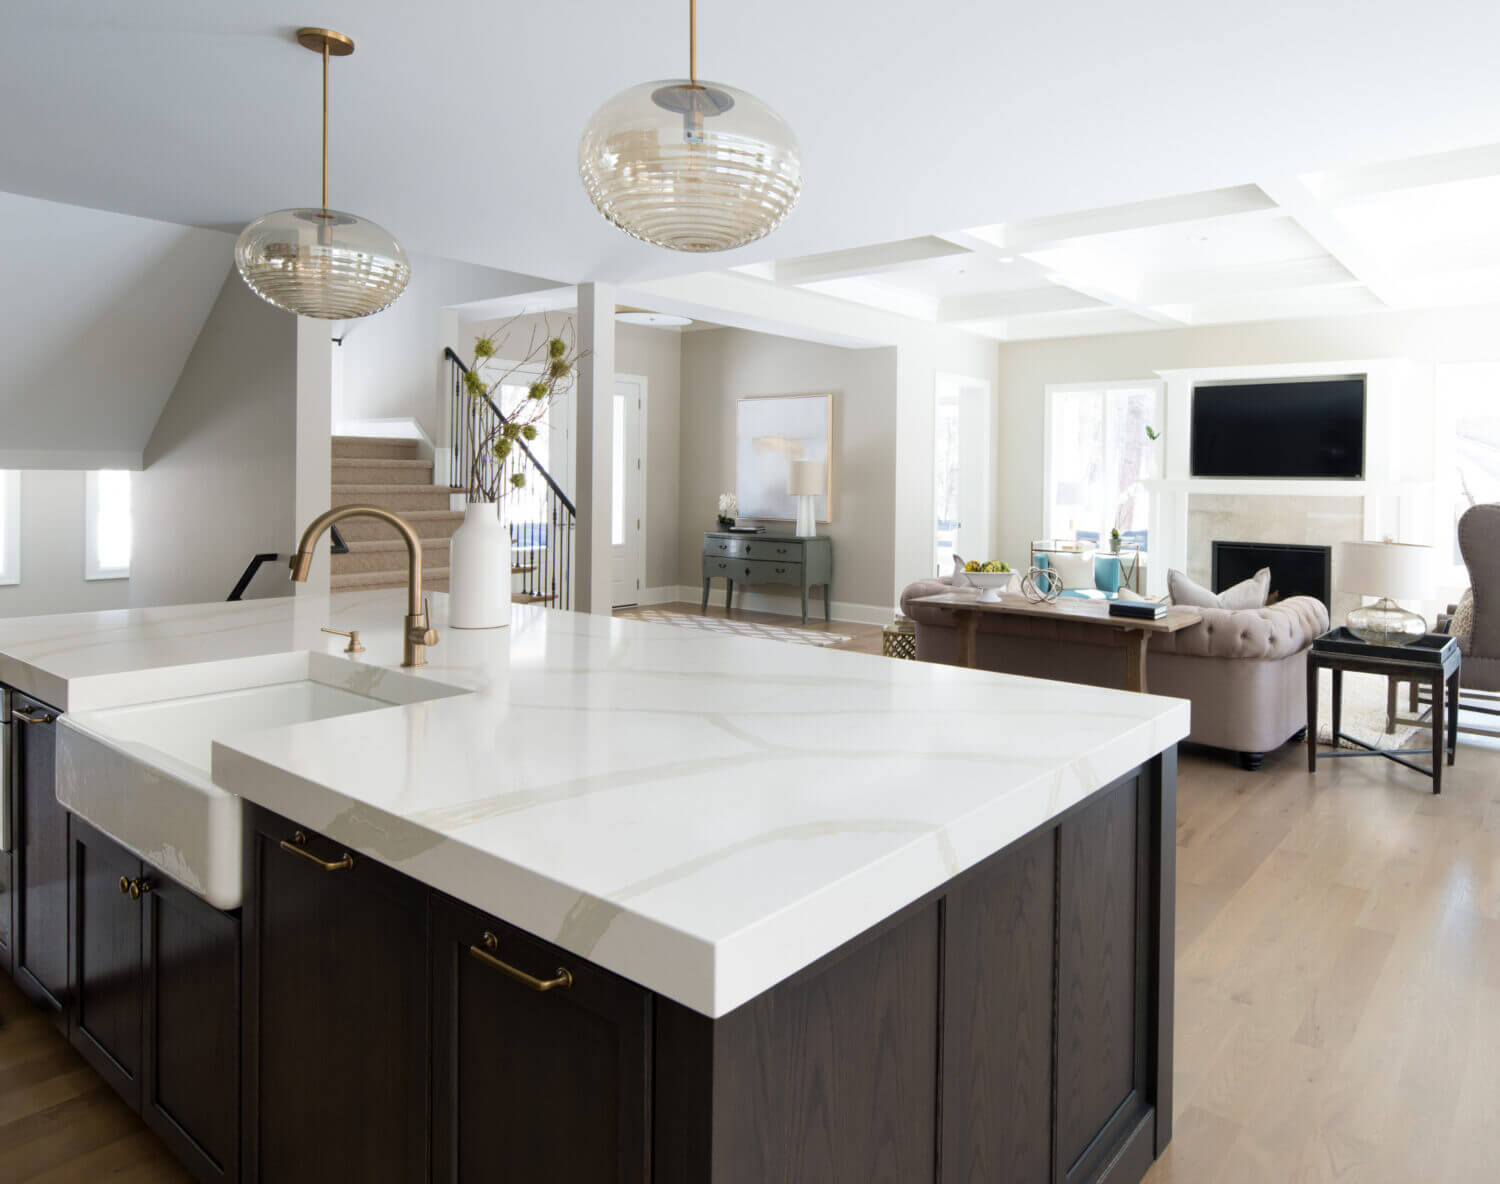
x: 190, y: 1084
x: 39, y: 839
x: 6, y: 905
x: 106, y: 957
x: 336, y: 1065
x: 1037, y: 973
x: 533, y: 1084
x: 155, y: 999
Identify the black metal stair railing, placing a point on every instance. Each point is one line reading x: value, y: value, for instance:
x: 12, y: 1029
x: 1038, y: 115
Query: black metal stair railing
x: 540, y: 514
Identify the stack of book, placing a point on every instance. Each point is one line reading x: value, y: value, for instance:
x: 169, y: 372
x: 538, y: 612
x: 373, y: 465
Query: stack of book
x: 1138, y: 610
x: 738, y: 529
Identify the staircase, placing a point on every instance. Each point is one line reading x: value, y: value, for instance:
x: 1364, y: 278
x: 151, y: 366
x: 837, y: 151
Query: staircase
x: 388, y: 473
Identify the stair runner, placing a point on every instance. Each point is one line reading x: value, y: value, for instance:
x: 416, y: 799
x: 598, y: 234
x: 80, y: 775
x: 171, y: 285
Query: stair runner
x: 389, y: 473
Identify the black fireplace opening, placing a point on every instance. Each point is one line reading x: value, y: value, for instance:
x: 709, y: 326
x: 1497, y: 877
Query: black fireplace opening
x: 1296, y: 569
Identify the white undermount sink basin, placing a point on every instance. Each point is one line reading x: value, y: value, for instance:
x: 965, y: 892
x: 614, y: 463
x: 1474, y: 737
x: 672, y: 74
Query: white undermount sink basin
x: 139, y: 768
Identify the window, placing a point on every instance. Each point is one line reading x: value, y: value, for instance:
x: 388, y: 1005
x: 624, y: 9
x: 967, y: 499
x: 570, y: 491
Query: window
x: 107, y: 525
x: 945, y: 467
x: 1468, y: 453
x: 10, y: 527
x: 1100, y: 456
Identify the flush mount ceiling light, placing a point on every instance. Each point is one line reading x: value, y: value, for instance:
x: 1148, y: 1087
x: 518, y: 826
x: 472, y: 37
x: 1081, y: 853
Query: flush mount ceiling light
x: 689, y: 165
x: 321, y: 262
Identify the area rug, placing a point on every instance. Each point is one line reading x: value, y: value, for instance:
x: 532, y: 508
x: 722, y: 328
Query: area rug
x: 728, y: 625
x: 1364, y: 714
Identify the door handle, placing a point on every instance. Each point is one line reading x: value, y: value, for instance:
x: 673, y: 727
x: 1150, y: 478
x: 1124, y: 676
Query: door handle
x: 486, y: 950
x: 298, y: 846
x: 40, y: 718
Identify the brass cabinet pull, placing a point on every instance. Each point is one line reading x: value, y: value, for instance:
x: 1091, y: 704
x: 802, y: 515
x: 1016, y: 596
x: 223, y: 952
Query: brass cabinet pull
x: 39, y: 718
x: 298, y: 846
x: 485, y: 952
x: 124, y: 886
x: 139, y: 888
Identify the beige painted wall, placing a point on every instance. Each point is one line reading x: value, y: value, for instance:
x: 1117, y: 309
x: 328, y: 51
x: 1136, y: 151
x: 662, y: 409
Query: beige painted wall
x: 219, y: 473
x: 722, y: 366
x: 52, y: 542
x: 1426, y: 338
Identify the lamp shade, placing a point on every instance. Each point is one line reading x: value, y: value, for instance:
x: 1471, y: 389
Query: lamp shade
x: 809, y: 477
x: 1399, y: 571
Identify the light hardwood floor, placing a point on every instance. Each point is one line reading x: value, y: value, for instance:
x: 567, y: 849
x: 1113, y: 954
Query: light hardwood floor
x: 1338, y: 988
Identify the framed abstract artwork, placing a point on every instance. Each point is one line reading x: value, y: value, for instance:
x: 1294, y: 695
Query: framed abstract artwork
x: 771, y: 431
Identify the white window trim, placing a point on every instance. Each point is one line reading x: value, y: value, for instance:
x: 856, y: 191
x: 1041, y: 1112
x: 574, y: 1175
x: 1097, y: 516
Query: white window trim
x: 1158, y: 387
x: 10, y: 506
x: 91, y: 568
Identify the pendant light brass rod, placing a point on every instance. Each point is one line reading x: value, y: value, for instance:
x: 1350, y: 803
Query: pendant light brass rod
x: 325, y: 126
x: 693, y: 41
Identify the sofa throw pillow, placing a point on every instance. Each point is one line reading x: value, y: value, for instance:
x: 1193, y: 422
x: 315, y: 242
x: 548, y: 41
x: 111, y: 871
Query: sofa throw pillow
x: 1462, y: 626
x: 1074, y: 569
x: 1249, y: 593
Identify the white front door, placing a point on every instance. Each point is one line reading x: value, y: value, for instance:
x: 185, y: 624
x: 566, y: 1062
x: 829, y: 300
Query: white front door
x: 627, y: 501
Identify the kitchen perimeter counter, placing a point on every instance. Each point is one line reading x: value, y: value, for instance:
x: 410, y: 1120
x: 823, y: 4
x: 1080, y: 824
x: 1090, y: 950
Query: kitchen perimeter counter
x: 978, y: 867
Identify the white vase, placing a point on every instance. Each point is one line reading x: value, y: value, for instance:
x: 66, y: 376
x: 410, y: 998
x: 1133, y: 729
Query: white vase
x: 479, y: 562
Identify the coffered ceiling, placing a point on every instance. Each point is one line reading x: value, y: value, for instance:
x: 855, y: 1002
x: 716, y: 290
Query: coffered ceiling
x: 1415, y: 233
x: 456, y: 122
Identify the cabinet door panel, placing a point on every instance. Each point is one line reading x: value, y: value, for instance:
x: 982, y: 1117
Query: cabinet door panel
x: 506, y: 1056
x: 1101, y: 1053
x: 337, y: 987
x: 106, y: 1025
x: 191, y: 1084
x: 997, y: 1031
x: 7, y: 900
x: 40, y: 836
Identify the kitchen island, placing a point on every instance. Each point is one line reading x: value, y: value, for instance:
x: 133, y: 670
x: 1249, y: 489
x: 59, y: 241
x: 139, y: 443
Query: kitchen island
x: 628, y: 902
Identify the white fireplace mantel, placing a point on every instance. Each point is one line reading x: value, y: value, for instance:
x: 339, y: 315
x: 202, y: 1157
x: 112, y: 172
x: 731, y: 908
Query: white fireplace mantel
x: 1397, y: 488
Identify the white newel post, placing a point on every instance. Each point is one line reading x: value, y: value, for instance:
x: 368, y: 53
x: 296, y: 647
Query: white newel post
x: 593, y: 458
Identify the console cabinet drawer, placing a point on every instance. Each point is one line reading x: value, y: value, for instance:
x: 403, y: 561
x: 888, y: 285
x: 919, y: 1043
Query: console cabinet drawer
x: 780, y: 550
x: 752, y: 571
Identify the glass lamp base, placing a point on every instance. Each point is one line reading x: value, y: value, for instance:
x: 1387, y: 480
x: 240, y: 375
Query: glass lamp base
x: 1385, y: 623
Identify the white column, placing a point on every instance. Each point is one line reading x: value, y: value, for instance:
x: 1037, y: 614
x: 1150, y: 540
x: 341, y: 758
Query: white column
x: 314, y: 446
x: 592, y: 452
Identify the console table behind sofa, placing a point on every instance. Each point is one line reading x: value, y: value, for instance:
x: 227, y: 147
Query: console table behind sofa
x: 801, y: 562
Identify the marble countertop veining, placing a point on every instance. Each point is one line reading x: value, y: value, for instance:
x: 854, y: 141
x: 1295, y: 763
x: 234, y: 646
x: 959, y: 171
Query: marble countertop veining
x: 702, y: 814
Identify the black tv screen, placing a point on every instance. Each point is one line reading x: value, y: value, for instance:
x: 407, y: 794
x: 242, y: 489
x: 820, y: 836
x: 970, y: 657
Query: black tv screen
x: 1311, y: 428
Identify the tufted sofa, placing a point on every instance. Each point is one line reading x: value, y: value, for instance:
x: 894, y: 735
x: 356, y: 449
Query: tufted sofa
x: 1245, y: 670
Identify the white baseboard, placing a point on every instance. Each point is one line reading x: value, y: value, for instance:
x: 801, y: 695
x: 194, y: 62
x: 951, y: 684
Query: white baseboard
x: 764, y: 602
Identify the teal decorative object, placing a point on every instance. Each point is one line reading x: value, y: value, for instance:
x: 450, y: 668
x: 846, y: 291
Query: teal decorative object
x: 1107, y: 574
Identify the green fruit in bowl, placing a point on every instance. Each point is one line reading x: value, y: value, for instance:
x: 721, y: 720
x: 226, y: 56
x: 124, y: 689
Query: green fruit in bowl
x: 972, y: 565
x: 994, y: 565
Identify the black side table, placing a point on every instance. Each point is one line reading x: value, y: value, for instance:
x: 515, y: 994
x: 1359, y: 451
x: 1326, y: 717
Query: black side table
x: 1432, y: 659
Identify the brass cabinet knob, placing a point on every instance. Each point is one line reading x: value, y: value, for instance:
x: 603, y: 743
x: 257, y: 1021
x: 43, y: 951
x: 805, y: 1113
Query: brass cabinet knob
x: 124, y: 886
x: 139, y: 888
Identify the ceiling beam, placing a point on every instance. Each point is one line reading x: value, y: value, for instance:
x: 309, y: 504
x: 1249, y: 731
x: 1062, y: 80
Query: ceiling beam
x: 1029, y: 302
x: 1190, y: 287
x: 1336, y: 186
x: 1029, y: 234
x: 1294, y: 196
x: 862, y: 261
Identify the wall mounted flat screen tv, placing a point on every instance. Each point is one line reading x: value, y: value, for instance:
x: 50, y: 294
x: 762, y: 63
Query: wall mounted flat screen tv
x: 1306, y: 428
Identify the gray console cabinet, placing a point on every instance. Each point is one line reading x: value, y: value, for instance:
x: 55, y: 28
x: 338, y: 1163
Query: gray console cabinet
x: 803, y: 563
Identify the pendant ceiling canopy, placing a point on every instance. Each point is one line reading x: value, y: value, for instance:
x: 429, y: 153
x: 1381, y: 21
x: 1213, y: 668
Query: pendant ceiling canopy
x: 690, y: 165
x: 318, y: 262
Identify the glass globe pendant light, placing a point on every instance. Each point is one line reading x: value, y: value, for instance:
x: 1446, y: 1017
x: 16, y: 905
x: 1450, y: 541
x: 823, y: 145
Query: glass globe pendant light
x: 689, y: 165
x: 321, y: 262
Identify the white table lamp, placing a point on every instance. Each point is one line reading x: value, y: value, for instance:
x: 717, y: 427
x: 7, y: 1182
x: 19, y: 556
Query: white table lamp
x: 1391, y: 571
x: 806, y: 480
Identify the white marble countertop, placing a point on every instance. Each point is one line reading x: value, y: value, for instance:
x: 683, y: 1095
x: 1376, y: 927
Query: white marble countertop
x: 703, y: 814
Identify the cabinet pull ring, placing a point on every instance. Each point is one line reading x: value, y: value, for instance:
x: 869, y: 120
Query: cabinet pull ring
x: 40, y: 718
x: 298, y: 846
x: 485, y: 952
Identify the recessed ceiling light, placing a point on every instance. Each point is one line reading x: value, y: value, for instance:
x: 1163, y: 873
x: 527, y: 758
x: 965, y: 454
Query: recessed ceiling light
x: 662, y: 320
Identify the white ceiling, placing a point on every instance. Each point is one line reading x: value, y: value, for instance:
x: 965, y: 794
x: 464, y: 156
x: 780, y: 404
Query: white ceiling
x: 1417, y: 233
x: 455, y: 123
